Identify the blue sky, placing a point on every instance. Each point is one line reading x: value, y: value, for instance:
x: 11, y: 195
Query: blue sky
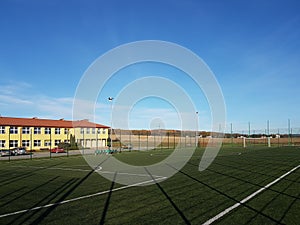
x: 252, y: 47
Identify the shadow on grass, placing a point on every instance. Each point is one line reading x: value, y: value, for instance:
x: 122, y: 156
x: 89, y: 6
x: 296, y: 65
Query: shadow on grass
x: 46, y: 200
x: 102, y: 221
x: 274, y: 198
x: 289, y: 208
x: 66, y: 189
x: 268, y: 176
x: 225, y: 195
x: 15, y: 178
x: 63, y: 197
x: 180, y: 213
x: 27, y: 192
x: 8, y: 194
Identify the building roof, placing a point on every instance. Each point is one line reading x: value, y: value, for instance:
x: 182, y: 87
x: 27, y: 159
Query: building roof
x: 36, y: 122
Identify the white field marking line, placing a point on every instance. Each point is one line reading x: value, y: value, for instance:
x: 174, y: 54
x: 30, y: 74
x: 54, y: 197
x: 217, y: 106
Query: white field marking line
x: 221, y: 214
x: 54, y: 168
x: 133, y: 174
x: 85, y: 170
x: 79, y: 198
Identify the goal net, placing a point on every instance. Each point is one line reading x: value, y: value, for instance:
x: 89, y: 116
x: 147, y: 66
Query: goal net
x: 248, y: 142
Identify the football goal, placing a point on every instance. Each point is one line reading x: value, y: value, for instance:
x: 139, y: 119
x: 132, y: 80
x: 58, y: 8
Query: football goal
x: 264, y: 141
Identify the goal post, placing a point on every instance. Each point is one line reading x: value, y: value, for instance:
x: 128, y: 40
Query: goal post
x: 256, y: 141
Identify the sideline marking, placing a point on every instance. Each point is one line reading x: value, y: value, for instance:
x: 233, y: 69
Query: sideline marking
x: 221, y: 214
x: 79, y: 198
x: 98, y: 170
x: 55, y: 168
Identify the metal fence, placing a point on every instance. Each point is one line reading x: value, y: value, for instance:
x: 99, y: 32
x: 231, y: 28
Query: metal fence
x: 159, y: 139
x: 129, y: 140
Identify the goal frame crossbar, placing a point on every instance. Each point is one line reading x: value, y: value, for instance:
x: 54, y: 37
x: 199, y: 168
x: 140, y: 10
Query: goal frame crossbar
x: 259, y: 139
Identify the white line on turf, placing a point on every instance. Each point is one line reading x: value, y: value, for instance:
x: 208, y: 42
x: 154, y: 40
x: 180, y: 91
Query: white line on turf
x: 221, y: 214
x: 54, y: 168
x: 79, y: 198
x: 98, y: 170
x: 133, y: 174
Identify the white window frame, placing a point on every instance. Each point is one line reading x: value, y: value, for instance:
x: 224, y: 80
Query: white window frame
x: 47, y: 143
x: 56, y: 142
x: 47, y: 130
x: 2, y: 143
x: 2, y: 129
x: 25, y: 143
x: 37, y: 143
x: 25, y: 130
x: 13, y: 143
x: 13, y: 130
x: 37, y: 130
x: 57, y: 131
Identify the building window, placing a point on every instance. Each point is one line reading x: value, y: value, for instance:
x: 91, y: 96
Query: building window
x: 56, y: 142
x: 2, y: 143
x: 25, y: 130
x: 37, y: 143
x: 66, y: 131
x: 57, y: 130
x: 2, y: 130
x: 88, y: 130
x: 37, y: 130
x: 25, y: 143
x: 93, y: 131
x: 47, y: 143
x: 13, y: 143
x: 103, y: 131
x: 81, y: 130
x: 13, y: 130
x: 47, y: 130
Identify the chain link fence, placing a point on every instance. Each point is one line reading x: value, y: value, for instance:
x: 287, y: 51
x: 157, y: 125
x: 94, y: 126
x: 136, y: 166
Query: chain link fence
x: 143, y: 140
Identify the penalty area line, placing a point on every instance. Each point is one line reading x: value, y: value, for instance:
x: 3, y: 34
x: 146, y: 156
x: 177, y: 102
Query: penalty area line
x: 79, y: 198
x: 229, y: 209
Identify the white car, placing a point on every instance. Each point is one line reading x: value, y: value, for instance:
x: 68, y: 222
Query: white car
x: 19, y: 151
x: 5, y: 152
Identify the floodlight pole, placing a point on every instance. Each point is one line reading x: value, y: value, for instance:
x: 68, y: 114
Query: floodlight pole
x: 97, y: 134
x: 249, y: 129
x: 268, y: 128
x: 196, y: 133
x: 289, y: 132
x: 111, y: 106
x: 9, y: 143
x: 231, y: 134
x: 30, y: 131
x: 68, y: 142
x: 50, y: 143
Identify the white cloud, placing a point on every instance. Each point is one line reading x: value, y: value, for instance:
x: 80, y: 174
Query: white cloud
x: 17, y: 99
x: 9, y: 99
x: 20, y: 102
x: 14, y: 87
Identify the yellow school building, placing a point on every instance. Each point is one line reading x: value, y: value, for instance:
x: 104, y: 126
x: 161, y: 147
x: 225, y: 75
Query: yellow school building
x: 40, y: 134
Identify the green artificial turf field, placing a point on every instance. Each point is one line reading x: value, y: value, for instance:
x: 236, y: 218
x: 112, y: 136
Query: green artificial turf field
x: 65, y: 190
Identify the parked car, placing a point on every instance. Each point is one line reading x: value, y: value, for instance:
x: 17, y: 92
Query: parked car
x: 19, y: 151
x: 5, y: 152
x: 57, y: 150
x: 129, y: 147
